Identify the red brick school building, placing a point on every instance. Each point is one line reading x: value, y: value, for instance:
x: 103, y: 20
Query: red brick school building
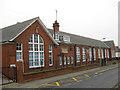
x: 37, y: 52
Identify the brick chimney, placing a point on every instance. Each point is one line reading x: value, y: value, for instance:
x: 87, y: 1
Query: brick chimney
x: 56, y: 26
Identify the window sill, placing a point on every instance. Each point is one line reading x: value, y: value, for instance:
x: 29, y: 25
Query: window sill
x: 20, y: 60
x: 50, y: 65
x: 33, y: 67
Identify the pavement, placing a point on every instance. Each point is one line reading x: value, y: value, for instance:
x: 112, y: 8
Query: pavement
x: 43, y: 82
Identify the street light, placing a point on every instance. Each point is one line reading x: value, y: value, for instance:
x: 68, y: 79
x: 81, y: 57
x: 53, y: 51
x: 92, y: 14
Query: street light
x: 100, y: 51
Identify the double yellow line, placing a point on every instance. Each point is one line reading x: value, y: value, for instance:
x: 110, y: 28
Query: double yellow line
x: 57, y: 84
x: 104, y: 70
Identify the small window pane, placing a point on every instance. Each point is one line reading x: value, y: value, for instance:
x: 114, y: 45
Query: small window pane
x: 78, y: 54
x: 35, y: 38
x: 90, y: 54
x: 99, y: 53
x: 64, y: 60
x: 84, y: 54
x: 50, y: 57
x: 41, y: 55
x: 41, y: 47
x: 94, y: 51
x: 19, y: 55
x: 19, y: 46
x: 60, y: 58
x: 36, y: 47
x: 102, y: 53
x: 41, y: 62
x: 31, y: 38
x: 71, y: 59
x: 50, y: 47
x: 31, y: 47
x: 30, y: 59
x: 68, y: 60
x: 108, y: 53
x: 40, y: 39
x: 36, y: 59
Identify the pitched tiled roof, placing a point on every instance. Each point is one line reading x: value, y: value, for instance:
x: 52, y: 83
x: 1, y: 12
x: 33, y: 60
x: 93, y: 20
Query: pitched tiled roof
x: 85, y: 41
x: 11, y: 32
x: 109, y: 43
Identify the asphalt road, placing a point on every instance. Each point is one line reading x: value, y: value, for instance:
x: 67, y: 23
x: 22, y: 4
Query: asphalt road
x: 104, y: 78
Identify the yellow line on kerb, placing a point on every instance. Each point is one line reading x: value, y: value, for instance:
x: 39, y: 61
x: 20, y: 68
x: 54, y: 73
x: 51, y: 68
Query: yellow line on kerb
x: 74, y: 79
x: 57, y: 84
x: 86, y: 75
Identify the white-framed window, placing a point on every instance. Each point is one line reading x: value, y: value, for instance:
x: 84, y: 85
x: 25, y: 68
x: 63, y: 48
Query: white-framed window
x: 90, y: 54
x: 105, y: 53
x: 68, y: 59
x: 64, y: 60
x: 50, y: 56
x: 102, y: 53
x: 19, y: 54
x: 78, y: 54
x: 94, y: 52
x: 66, y: 38
x: 60, y: 60
x: 108, y: 53
x: 61, y: 38
x: 71, y: 59
x: 36, y: 51
x: 56, y: 36
x: 84, y: 54
x: 99, y: 53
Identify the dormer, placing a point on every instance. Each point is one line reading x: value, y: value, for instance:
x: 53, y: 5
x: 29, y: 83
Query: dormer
x: 66, y: 38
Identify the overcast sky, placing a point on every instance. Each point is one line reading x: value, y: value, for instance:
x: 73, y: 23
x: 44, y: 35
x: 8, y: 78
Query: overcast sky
x: 90, y: 18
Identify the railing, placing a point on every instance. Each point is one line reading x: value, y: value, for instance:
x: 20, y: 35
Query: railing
x: 9, y: 75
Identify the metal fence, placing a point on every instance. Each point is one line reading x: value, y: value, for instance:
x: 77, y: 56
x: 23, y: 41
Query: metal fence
x: 9, y: 75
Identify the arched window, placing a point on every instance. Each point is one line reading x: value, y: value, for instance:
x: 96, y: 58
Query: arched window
x: 36, y: 51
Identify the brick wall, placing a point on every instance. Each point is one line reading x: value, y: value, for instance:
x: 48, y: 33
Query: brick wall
x: 9, y: 54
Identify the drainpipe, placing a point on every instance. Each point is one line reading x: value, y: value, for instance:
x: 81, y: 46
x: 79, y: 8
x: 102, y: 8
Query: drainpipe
x: 75, y: 53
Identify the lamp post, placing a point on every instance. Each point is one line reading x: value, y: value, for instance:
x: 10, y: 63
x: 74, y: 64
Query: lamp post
x: 100, y: 51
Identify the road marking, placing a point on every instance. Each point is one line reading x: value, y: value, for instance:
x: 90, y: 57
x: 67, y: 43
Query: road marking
x: 101, y: 70
x: 96, y: 72
x: 74, y: 79
x: 86, y: 75
x: 57, y: 84
x: 50, y: 85
x: 67, y: 81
